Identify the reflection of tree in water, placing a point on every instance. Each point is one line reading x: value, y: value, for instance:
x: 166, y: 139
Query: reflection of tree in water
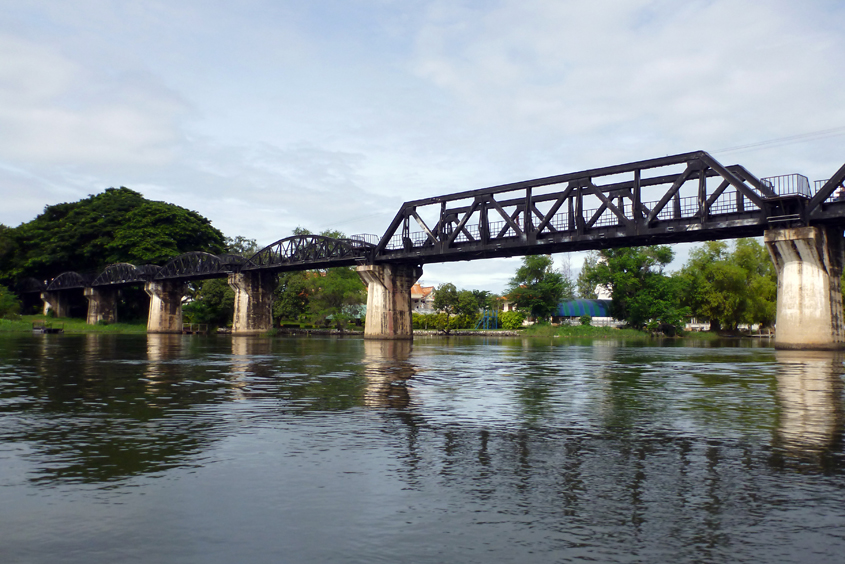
x: 809, y: 393
x: 106, y: 407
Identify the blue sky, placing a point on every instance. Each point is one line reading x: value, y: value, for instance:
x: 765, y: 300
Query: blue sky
x: 267, y: 115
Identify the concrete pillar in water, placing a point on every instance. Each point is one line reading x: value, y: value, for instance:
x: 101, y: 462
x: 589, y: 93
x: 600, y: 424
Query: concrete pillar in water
x: 389, y: 300
x: 809, y: 302
x: 253, y: 302
x: 165, y: 306
x: 102, y: 305
x: 57, y: 301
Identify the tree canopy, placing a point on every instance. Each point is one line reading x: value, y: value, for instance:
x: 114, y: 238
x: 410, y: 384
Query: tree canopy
x: 319, y: 295
x: 538, y: 287
x: 641, y: 292
x: 730, y: 287
x: 117, y: 225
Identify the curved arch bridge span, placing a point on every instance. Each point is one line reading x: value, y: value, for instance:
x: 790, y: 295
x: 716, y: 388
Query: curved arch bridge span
x: 681, y: 198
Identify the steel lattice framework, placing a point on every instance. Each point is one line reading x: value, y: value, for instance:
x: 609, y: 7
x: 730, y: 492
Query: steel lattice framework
x: 695, y: 198
x: 680, y: 198
x: 124, y: 273
x: 67, y: 281
x: 310, y: 251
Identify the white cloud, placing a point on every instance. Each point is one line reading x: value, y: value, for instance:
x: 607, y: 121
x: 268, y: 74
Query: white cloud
x: 54, y: 111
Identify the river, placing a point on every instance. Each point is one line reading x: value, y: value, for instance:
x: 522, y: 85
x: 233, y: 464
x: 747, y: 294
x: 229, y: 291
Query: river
x: 191, y: 449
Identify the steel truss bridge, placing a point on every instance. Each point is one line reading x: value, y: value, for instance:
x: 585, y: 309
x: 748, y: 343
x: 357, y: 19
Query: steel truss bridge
x: 681, y: 198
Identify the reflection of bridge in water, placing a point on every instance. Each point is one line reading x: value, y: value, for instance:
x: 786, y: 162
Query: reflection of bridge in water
x: 109, y: 411
x: 682, y: 198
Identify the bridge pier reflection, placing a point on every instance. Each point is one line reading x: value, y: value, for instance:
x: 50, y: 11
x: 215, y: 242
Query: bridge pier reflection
x: 810, y: 396
x: 387, y: 369
x: 809, y: 299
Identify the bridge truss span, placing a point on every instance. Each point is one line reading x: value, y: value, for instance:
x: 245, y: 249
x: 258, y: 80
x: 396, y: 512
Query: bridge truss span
x: 311, y: 252
x: 680, y: 198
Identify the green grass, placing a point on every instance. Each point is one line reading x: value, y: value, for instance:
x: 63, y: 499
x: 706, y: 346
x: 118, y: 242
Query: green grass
x: 70, y: 325
x: 583, y: 332
x: 14, y: 326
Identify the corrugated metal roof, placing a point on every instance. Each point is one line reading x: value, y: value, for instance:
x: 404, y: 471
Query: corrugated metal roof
x: 577, y: 308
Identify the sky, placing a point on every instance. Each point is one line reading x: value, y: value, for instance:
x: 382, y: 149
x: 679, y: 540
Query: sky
x: 265, y: 115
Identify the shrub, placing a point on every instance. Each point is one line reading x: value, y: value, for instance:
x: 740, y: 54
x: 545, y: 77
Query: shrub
x: 512, y: 319
x: 9, y: 303
x: 586, y: 320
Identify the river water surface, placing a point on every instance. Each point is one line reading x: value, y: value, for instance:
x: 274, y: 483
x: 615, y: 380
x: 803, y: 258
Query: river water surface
x: 185, y: 449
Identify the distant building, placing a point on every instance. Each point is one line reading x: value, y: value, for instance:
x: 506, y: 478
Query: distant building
x: 571, y: 311
x: 422, y: 299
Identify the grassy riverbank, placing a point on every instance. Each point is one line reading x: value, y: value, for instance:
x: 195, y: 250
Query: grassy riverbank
x: 70, y: 325
x: 583, y: 332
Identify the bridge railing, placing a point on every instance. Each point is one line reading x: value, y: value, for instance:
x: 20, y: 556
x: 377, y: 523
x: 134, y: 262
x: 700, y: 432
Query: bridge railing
x: 790, y: 185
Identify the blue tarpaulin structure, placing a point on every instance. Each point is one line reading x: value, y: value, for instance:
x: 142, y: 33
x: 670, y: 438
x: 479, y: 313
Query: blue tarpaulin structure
x: 577, y: 308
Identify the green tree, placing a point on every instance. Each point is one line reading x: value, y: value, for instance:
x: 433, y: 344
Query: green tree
x: 538, y: 287
x: 586, y: 287
x: 240, y: 245
x: 641, y: 292
x: 291, y: 302
x: 334, y: 294
x: 467, y: 303
x: 10, y: 306
x: 730, y: 287
x: 213, y: 303
x: 445, y: 300
x: 484, y: 299
x: 118, y: 225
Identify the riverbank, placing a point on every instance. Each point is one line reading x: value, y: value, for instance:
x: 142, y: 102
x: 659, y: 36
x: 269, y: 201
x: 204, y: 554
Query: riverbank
x: 67, y: 325
x: 77, y: 326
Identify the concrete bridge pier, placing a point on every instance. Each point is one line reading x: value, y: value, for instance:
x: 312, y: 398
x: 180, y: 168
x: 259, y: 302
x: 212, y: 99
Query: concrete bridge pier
x: 389, y: 300
x: 165, y: 306
x: 809, y: 301
x: 102, y: 305
x: 57, y: 301
x: 254, y: 294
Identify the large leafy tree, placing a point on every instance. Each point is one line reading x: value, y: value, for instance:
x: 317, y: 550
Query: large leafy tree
x: 641, y: 292
x: 319, y: 295
x: 292, y: 297
x: 729, y: 287
x: 538, y: 287
x: 334, y: 294
x: 118, y: 225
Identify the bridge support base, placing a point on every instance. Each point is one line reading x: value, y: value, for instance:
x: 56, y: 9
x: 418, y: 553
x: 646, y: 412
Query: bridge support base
x: 165, y: 306
x: 389, y: 300
x: 809, y: 302
x: 102, y: 305
x: 253, y: 302
x: 54, y: 301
